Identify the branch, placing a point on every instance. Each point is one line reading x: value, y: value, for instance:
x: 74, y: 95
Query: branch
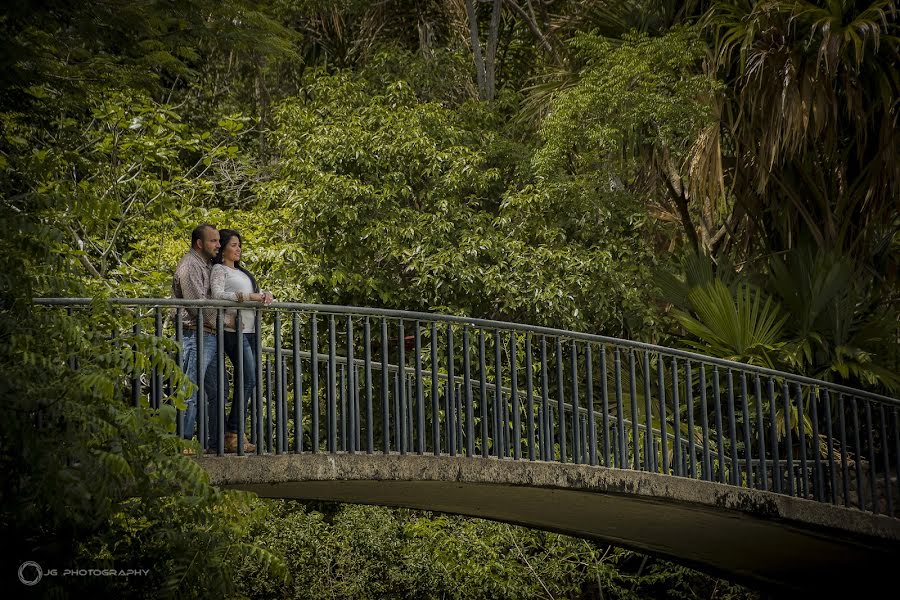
x: 527, y: 563
x: 681, y: 204
x: 670, y: 176
x: 81, y: 257
x: 532, y: 25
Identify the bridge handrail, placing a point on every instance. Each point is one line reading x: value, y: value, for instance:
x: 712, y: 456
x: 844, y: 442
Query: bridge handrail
x: 661, y: 410
x: 484, y: 323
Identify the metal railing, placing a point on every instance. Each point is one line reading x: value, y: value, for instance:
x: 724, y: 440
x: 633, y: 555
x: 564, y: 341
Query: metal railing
x: 353, y: 379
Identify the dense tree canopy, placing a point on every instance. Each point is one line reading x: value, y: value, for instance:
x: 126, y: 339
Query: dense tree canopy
x: 714, y: 174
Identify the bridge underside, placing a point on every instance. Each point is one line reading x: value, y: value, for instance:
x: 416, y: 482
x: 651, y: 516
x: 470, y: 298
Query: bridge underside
x: 765, y: 540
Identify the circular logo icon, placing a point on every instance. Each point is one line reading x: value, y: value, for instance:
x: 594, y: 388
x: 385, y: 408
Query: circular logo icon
x: 35, y: 577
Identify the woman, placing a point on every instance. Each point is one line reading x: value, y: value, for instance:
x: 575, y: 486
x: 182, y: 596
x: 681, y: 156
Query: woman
x: 231, y: 281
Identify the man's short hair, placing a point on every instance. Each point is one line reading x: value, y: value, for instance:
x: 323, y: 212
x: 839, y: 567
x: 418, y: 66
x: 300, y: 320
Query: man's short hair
x: 197, y: 233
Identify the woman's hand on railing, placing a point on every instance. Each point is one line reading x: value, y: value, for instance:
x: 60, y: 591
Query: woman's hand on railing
x: 263, y: 296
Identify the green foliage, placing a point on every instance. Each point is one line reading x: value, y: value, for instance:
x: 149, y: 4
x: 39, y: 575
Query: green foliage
x: 88, y: 479
x: 733, y: 326
x: 840, y: 328
x: 342, y: 139
x: 398, y: 202
x: 88, y: 157
x: 813, y: 312
x: 370, y: 552
x: 634, y: 98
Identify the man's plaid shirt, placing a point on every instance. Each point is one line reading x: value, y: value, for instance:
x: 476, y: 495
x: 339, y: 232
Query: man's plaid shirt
x: 191, y: 282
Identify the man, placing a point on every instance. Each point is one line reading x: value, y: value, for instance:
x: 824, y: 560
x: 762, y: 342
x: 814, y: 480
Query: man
x: 191, y: 282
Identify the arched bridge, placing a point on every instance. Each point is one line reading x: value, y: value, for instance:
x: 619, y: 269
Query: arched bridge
x: 773, y: 479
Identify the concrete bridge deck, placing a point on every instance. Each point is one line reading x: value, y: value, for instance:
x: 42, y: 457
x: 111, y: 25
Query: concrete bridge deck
x: 769, y: 541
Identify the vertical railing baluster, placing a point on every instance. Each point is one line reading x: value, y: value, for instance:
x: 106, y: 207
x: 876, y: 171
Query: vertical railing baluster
x: 458, y: 398
x: 351, y: 390
x: 498, y: 394
x: 71, y: 362
x: 314, y: 382
x: 396, y: 407
x: 803, y: 488
x: 650, y: 442
x: 717, y: 407
x: 829, y: 446
x: 745, y: 413
x: 385, y: 390
x: 341, y: 404
x: 239, y: 383
x: 872, y: 475
x: 576, y: 428
x: 332, y: 385
x: 622, y: 462
x: 604, y: 397
x: 179, y: 357
x: 516, y: 436
x: 270, y: 447
x: 860, y: 484
x: 663, y: 425
x: 704, y: 413
x: 258, y: 424
x: 482, y: 400
x: 788, y: 437
x: 410, y: 412
x: 136, y: 377
x: 420, y: 392
x: 220, y: 383
x: 157, y: 387
x: 529, y: 397
x: 400, y: 401
x: 845, y: 467
x: 635, y: 430
x: 545, y: 403
x: 451, y: 400
x: 586, y: 436
x: 298, y: 384
x: 284, y: 409
x: 279, y: 386
x: 689, y: 407
x: 676, y: 417
x: 888, y: 492
x: 592, y: 426
x: 560, y: 401
x: 732, y: 431
x: 467, y: 383
x: 435, y: 407
x: 370, y: 423
x: 818, y: 490
x: 773, y: 423
x: 761, y: 433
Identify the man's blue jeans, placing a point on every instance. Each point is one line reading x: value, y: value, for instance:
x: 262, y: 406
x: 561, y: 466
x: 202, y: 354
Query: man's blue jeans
x: 189, y: 362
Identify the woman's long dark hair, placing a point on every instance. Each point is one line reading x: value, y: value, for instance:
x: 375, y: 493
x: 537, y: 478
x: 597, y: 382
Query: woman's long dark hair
x: 225, y: 236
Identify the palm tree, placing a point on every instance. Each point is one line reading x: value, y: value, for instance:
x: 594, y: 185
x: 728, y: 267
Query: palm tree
x: 812, y: 90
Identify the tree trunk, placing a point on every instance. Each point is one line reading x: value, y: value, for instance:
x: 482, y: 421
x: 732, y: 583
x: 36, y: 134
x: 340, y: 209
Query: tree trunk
x: 490, y: 78
x: 485, y: 66
x: 476, y: 48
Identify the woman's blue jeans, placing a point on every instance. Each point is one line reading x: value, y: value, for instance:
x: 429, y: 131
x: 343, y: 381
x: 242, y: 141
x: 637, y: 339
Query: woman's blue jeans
x: 245, y: 368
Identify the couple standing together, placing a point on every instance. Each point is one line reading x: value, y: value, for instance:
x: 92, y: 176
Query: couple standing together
x: 212, y: 270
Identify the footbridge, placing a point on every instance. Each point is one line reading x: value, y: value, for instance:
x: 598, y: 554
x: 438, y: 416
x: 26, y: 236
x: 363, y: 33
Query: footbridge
x: 783, y: 482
